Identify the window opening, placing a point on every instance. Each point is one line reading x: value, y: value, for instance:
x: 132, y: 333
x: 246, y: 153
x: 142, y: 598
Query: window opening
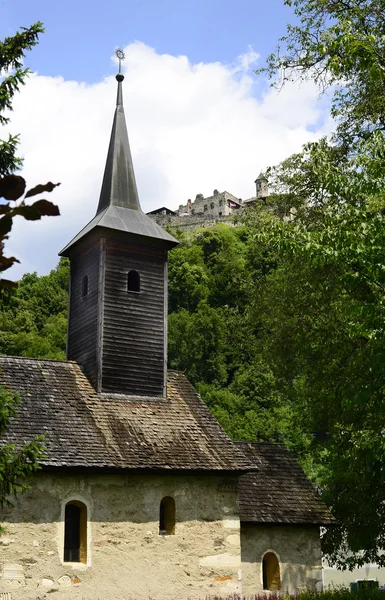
x: 212, y: 205
x: 271, y: 572
x: 75, y: 532
x: 205, y: 207
x: 133, y: 281
x: 167, y: 516
x: 84, y: 286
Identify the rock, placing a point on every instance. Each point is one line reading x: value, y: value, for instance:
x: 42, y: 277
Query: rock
x: 4, y: 542
x: 64, y: 581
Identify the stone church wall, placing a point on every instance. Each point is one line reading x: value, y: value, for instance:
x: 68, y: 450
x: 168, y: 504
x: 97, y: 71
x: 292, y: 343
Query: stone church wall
x: 297, y: 548
x: 126, y: 558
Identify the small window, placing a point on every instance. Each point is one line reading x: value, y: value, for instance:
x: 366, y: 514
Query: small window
x: 133, y: 281
x: 271, y: 572
x: 220, y: 213
x: 85, y: 286
x: 205, y: 207
x: 220, y: 202
x: 211, y: 204
x: 75, y: 532
x: 167, y: 516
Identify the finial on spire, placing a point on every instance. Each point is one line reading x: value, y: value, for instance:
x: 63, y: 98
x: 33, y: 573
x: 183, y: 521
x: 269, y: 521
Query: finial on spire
x: 120, y: 56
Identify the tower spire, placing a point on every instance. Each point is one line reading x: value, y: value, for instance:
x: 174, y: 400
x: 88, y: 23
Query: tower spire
x: 119, y: 185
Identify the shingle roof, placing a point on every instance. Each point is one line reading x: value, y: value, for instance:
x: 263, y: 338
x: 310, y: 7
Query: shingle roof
x: 279, y: 492
x: 89, y: 430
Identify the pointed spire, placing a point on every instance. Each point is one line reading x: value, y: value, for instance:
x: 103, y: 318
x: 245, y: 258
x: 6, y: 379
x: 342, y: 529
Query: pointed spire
x: 119, y: 185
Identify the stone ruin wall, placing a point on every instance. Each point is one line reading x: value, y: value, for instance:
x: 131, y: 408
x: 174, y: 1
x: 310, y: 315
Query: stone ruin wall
x: 191, y: 222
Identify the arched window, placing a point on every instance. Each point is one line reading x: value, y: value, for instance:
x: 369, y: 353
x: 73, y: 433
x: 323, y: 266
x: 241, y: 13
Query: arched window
x: 133, y: 281
x: 167, y: 516
x: 271, y: 572
x: 75, y: 532
x: 84, y: 286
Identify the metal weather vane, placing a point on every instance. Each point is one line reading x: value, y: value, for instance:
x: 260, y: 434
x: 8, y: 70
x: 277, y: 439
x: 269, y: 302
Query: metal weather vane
x: 120, y: 56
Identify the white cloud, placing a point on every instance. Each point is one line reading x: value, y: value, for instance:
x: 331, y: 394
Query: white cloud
x: 192, y: 128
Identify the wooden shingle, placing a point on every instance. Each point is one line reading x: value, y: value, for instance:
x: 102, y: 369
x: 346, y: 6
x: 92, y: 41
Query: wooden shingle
x: 279, y: 492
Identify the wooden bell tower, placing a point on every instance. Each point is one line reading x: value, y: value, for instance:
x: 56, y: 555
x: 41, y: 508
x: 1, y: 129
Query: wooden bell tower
x: 117, y: 330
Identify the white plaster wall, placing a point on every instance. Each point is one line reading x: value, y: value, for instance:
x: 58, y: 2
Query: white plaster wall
x: 127, y: 557
x: 299, y: 552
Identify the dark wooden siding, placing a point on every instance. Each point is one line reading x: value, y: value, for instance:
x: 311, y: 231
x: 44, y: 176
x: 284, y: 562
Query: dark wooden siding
x: 82, y: 343
x: 133, y: 323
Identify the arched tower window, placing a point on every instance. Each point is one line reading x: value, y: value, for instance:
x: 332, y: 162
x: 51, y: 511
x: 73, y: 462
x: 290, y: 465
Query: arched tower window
x: 167, y: 516
x: 75, y: 532
x: 271, y: 572
x: 84, y: 286
x: 133, y: 281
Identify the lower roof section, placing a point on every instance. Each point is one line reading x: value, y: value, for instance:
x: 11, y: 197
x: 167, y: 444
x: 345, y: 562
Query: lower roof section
x: 279, y: 493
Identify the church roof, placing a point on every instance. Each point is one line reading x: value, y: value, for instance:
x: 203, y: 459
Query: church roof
x: 86, y: 430
x: 119, y: 207
x: 279, y: 491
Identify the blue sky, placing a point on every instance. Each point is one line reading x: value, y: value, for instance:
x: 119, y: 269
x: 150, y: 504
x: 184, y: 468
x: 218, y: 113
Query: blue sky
x: 198, y: 116
x: 81, y: 34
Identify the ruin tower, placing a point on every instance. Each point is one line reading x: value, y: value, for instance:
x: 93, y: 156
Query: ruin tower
x: 117, y: 329
x: 262, y: 187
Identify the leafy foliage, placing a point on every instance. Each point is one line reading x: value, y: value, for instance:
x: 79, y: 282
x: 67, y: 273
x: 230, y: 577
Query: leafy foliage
x: 214, y: 330
x: 326, y: 339
x: 15, y: 463
x: 12, y: 187
x: 339, y: 45
x: 33, y: 317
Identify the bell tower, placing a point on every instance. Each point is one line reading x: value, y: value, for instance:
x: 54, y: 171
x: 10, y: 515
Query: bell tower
x: 117, y: 329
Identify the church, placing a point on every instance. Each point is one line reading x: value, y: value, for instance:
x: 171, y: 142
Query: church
x: 141, y: 494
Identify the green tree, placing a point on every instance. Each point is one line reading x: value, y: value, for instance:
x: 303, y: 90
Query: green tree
x: 339, y: 45
x: 324, y: 340
x: 16, y: 463
x: 12, y: 187
x: 33, y: 317
x: 214, y: 330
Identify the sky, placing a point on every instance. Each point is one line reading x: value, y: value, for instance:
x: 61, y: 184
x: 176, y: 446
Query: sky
x: 198, y: 116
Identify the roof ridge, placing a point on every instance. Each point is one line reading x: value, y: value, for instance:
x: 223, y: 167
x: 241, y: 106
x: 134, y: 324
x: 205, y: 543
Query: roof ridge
x: 36, y: 359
